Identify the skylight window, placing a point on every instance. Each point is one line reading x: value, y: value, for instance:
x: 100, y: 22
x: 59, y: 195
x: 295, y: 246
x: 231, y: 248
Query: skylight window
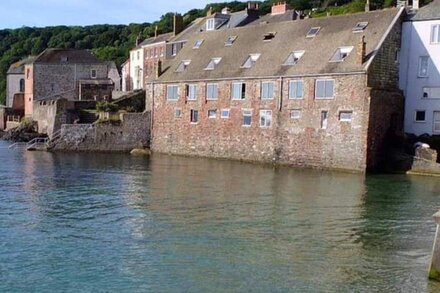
x: 341, y: 53
x: 313, y: 32
x: 198, y: 44
x: 251, y: 60
x: 230, y: 40
x: 213, y: 63
x: 293, y: 57
x: 210, y: 24
x: 183, y: 65
x: 269, y: 36
x: 360, y: 26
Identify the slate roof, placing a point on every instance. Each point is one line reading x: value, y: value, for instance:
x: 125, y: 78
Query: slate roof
x: 428, y: 12
x: 269, y: 18
x: 160, y: 38
x: 336, y: 31
x: 18, y: 67
x: 74, y: 56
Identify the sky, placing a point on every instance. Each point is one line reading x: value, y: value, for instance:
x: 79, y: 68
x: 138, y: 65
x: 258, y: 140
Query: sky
x: 39, y: 13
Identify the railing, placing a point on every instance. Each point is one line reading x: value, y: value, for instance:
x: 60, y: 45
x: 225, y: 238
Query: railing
x: 18, y: 145
x: 37, y: 142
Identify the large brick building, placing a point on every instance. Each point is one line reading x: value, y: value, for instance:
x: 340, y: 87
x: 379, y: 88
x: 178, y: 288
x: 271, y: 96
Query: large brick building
x: 311, y: 92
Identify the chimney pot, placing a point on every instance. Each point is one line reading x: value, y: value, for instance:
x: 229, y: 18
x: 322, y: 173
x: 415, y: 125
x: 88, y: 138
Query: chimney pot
x: 209, y: 13
x: 279, y: 8
x: 177, y: 24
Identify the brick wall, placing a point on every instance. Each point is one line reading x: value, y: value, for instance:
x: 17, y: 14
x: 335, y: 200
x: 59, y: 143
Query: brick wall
x: 298, y: 142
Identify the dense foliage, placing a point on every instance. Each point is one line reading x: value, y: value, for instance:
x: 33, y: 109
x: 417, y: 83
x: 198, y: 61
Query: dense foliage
x: 113, y: 42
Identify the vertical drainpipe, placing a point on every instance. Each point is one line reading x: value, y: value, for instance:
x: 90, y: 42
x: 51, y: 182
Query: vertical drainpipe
x: 280, y: 105
x: 152, y: 113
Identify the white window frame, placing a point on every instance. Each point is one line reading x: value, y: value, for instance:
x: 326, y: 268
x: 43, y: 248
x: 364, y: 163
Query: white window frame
x: 415, y: 116
x: 230, y: 41
x: 198, y: 44
x: 246, y: 113
x: 183, y: 65
x: 213, y: 63
x: 295, y: 117
x: 267, y: 115
x: 310, y: 35
x: 324, y: 121
x: 212, y: 116
x: 360, y: 26
x: 296, y: 97
x: 271, y: 94
x: 191, y: 92
x: 192, y: 116
x: 435, y: 34
x: 295, y: 56
x: 210, y: 24
x: 325, y: 80
x: 419, y: 68
x: 223, y: 111
x: 241, y: 91
x: 251, y: 60
x: 208, y: 85
x: 175, y: 92
x: 341, y: 54
x: 342, y: 112
x: 176, y: 111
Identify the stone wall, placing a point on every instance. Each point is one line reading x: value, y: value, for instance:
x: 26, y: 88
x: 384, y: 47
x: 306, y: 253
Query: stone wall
x: 51, y: 114
x: 12, y: 87
x: 299, y: 142
x: 132, y: 132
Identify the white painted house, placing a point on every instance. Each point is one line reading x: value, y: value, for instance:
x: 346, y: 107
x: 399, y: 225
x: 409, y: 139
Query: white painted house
x: 420, y: 69
x: 137, y: 67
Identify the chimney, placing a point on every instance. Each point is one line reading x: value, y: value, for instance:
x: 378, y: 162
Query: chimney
x: 138, y: 40
x: 158, y: 69
x: 226, y: 11
x: 155, y: 31
x: 280, y: 8
x: 253, y: 6
x: 253, y: 10
x: 178, y: 24
x: 416, y: 5
x: 209, y: 13
x: 367, y: 6
x: 361, y: 51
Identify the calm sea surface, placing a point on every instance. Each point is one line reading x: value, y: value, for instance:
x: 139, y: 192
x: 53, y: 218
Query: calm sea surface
x: 115, y: 223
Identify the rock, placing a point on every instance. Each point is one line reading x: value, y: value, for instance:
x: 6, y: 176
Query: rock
x: 23, y: 133
x: 140, y: 152
x: 426, y: 153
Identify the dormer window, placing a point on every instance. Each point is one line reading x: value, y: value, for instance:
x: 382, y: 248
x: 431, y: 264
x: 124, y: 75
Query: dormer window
x: 269, y: 36
x: 313, y: 32
x: 183, y: 65
x: 230, y: 40
x: 250, y: 61
x: 293, y: 57
x: 360, y: 27
x: 198, y: 44
x: 341, y: 53
x: 210, y: 24
x: 213, y: 63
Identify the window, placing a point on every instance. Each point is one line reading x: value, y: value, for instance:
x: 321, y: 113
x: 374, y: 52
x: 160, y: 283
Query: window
x: 212, y: 91
x: 210, y: 24
x: 436, y: 122
x: 341, y: 53
x: 191, y: 92
x: 423, y: 66
x: 225, y: 114
x: 313, y: 32
x: 155, y: 52
x: 138, y: 55
x: 212, y: 113
x: 295, y: 114
x: 345, y: 116
x: 161, y: 52
x: 28, y: 73
x: 172, y: 92
x: 293, y: 57
x: 435, y: 34
x: 296, y: 89
x: 194, y: 116
x: 198, y: 44
x: 324, y: 89
x: 213, y: 63
x: 230, y: 40
x: 183, y: 65
x: 173, y: 49
x: 265, y: 118
x: 238, y: 91
x: 251, y: 60
x: 93, y: 73
x: 267, y: 90
x: 177, y: 113
x: 269, y: 36
x: 431, y: 92
x: 324, y: 119
x: 360, y: 26
x: 420, y: 116
x: 21, y: 85
x: 132, y: 56
x: 247, y: 117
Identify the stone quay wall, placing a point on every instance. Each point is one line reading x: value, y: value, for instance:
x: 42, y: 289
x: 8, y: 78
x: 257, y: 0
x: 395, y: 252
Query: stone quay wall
x: 133, y: 131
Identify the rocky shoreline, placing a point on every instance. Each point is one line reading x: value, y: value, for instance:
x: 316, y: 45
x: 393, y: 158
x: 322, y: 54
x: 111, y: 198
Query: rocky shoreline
x: 23, y: 133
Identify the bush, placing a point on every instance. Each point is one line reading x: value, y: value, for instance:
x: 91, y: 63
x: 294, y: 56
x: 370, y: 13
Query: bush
x: 106, y: 107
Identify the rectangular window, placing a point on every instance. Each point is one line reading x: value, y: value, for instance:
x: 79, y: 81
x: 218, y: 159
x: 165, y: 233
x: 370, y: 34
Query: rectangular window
x: 238, y: 91
x: 360, y: 27
x: 183, y: 65
x: 267, y: 90
x: 247, y: 117
x: 210, y: 24
x: 345, y: 116
x: 230, y: 40
x: 420, y: 116
x: 177, y: 113
x: 212, y: 113
x: 431, y: 92
x: 194, y: 116
x: 313, y: 32
x: 197, y: 44
x: 324, y: 89
x: 212, y: 91
x: 225, y: 114
x: 251, y: 60
x: 173, y: 49
x: 324, y: 119
x: 436, y: 122
x: 213, y: 63
x: 93, y: 73
x: 296, y: 89
x: 295, y: 114
x: 172, y: 92
x: 191, y: 92
x: 341, y: 53
x: 293, y: 58
x: 423, y: 66
x: 138, y: 55
x: 435, y: 34
x: 265, y: 118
